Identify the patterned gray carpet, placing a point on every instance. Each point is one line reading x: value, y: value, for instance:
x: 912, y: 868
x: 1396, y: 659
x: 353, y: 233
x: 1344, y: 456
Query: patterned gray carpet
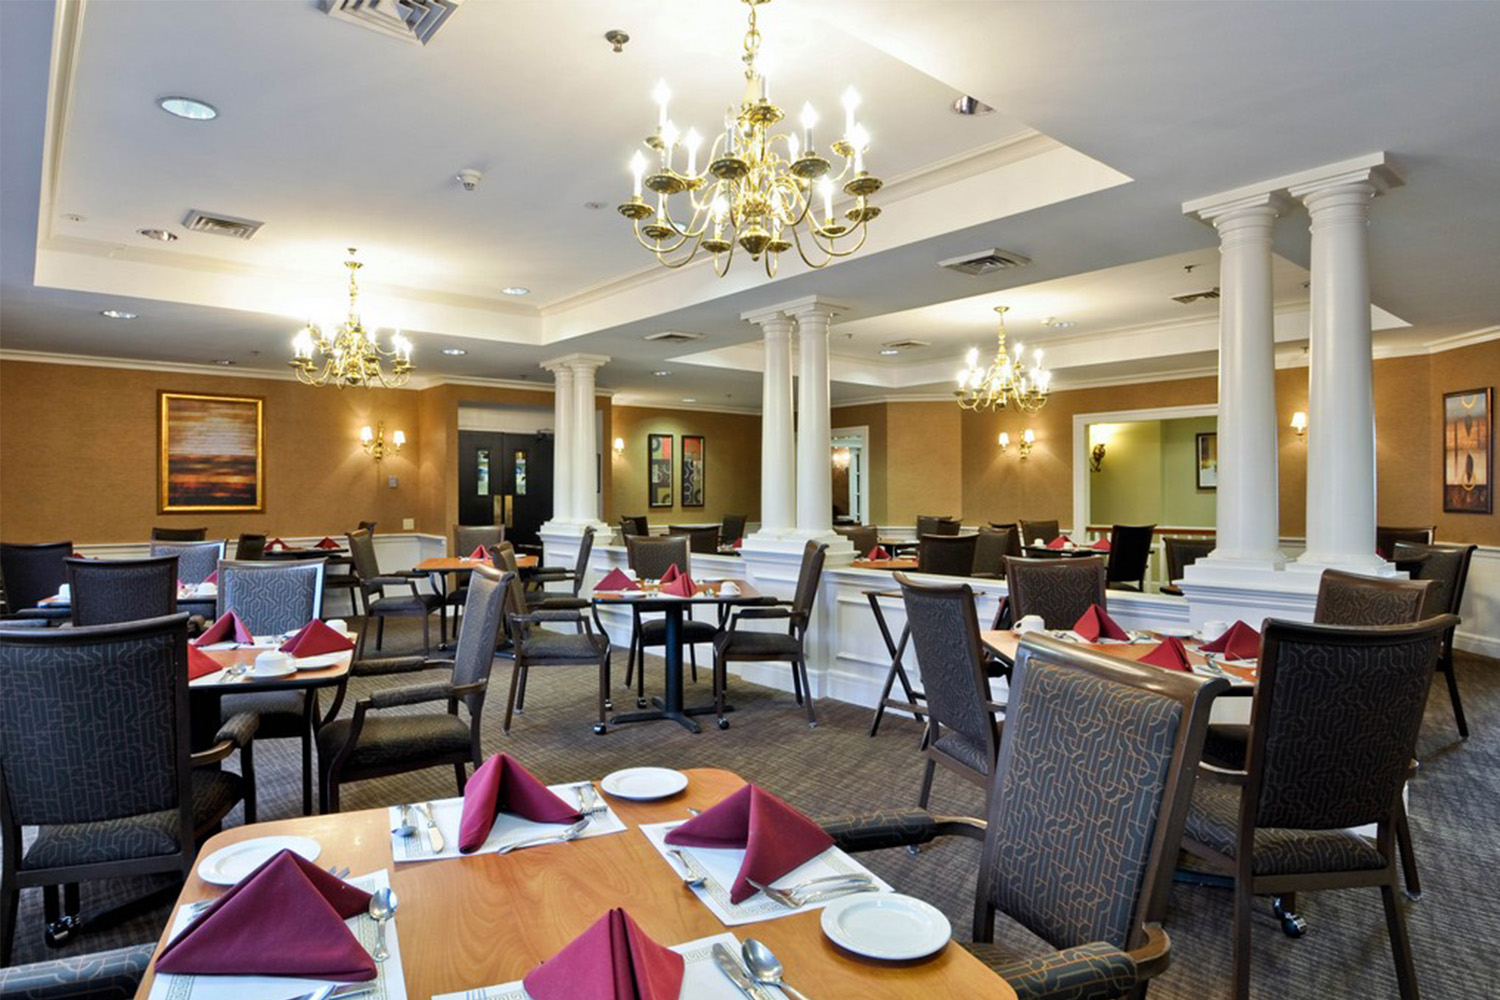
x: 1455, y: 805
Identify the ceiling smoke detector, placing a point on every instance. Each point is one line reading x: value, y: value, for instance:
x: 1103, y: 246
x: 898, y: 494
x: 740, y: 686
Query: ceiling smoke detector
x: 469, y: 178
x: 985, y: 262
x: 1188, y: 298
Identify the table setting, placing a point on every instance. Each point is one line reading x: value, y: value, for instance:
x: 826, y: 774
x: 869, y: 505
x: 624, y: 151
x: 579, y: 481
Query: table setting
x: 317, y: 645
x: 1218, y: 649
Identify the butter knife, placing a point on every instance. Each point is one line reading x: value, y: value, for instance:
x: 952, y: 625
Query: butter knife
x: 735, y: 972
x: 434, y: 835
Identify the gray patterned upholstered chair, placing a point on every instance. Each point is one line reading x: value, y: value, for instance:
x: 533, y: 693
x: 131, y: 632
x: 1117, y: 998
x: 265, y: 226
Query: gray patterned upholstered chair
x: 94, y: 735
x: 33, y: 571
x: 196, y: 561
x: 1060, y: 590
x: 275, y: 597
x: 105, y: 591
x: 533, y: 645
x: 542, y: 598
x: 1032, y: 530
x: 1182, y: 553
x: 991, y: 546
x: 373, y: 743
x: 159, y: 534
x: 650, y: 558
x: 946, y: 555
x: 937, y: 524
x: 1447, y: 566
x: 1352, y: 599
x: 1015, y: 539
x: 372, y: 584
x: 1333, y: 728
x: 864, y: 537
x: 1129, y: 555
x: 962, y: 734
x: 467, y: 538
x: 102, y: 975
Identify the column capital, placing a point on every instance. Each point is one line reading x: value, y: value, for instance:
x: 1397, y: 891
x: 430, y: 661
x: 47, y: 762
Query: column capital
x: 815, y: 307
x: 1367, y: 180
x: 1262, y: 204
x: 772, y: 321
x: 576, y: 362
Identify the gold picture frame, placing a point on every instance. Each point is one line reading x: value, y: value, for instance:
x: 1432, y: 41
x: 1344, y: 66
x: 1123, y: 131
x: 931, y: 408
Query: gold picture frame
x: 211, y: 456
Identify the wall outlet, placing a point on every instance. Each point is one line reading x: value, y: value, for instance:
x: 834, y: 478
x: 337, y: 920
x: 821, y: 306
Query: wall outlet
x: 392, y: 482
x: 408, y: 524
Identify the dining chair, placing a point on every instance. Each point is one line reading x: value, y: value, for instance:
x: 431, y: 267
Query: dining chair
x: 94, y: 735
x: 937, y: 524
x: 1069, y: 898
x: 634, y: 526
x: 196, y: 561
x: 33, y: 571
x: 467, y: 538
x: 106, y: 591
x: 1182, y: 553
x: 1059, y: 590
x: 704, y: 541
x: 159, y: 534
x: 250, y: 548
x: 864, y: 537
x: 946, y: 555
x: 1352, y: 599
x: 532, y: 644
x: 1033, y: 530
x: 101, y: 975
x: 734, y: 645
x: 574, y: 578
x: 1447, y: 566
x: 733, y: 528
x: 1015, y: 538
x: 374, y: 744
x: 380, y: 606
x: 991, y: 546
x: 1387, y: 536
x: 1333, y: 728
x: 1129, y: 555
x: 650, y: 557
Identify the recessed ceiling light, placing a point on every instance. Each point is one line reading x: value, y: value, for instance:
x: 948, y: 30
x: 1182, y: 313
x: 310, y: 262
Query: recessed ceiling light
x: 189, y: 108
x: 73, y: 217
x: 226, y: 362
x: 160, y: 235
x: 117, y: 314
x: 967, y: 105
x: 661, y: 374
x: 515, y: 290
x: 454, y: 352
x: 889, y: 350
x: 690, y: 399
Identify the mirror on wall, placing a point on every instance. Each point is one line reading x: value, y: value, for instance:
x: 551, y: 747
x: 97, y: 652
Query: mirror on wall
x: 1148, y: 472
x: 849, y: 460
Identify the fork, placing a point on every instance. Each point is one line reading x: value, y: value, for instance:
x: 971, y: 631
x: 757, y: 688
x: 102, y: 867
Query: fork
x: 571, y: 833
x: 793, y: 901
x: 588, y: 801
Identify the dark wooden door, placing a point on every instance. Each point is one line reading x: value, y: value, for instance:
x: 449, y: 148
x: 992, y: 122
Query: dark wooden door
x: 505, y: 479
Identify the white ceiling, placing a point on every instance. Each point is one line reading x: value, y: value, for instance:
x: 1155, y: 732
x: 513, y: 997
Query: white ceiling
x: 336, y: 136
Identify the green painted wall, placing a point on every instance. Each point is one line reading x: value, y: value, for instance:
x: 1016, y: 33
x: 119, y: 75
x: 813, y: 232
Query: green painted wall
x: 1148, y: 474
x: 1183, y: 504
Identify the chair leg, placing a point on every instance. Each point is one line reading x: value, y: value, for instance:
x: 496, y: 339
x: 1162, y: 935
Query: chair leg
x: 332, y: 805
x: 801, y: 667
x: 640, y: 675
x: 796, y: 683
x: 427, y: 635
x: 461, y: 776
x: 721, y: 681
x: 1406, y: 969
x: 693, y: 659
x: 310, y: 712
x: 926, y: 792
x: 1242, y: 901
x: 10, y: 904
x: 247, y: 775
x: 380, y: 632
x: 600, y: 726
x: 521, y: 695
x: 510, y: 704
x: 630, y: 661
x: 1458, y: 703
x: 1408, y: 856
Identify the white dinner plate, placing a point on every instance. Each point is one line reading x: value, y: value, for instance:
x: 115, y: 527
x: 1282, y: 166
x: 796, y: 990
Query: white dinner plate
x: 644, y: 783
x: 319, y: 662
x: 886, y: 925
x: 228, y: 865
x: 1175, y: 632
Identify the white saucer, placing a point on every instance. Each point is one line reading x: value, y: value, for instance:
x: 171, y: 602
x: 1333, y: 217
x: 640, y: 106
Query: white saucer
x: 228, y: 865
x: 886, y: 925
x: 260, y: 673
x: 319, y: 662
x: 644, y: 784
x: 1175, y: 632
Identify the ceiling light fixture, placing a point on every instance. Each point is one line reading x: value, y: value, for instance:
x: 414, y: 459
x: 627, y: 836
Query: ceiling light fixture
x: 351, y: 356
x: 454, y: 352
x: 515, y: 290
x: 226, y: 362
x: 117, y: 314
x: 1058, y: 324
x: 661, y: 374
x: 690, y: 399
x: 1006, y: 382
x: 889, y: 350
x: 190, y: 108
x: 967, y: 105
x: 160, y: 235
x: 757, y: 191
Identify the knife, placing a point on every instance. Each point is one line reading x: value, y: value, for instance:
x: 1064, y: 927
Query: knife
x: 735, y: 972
x: 434, y: 835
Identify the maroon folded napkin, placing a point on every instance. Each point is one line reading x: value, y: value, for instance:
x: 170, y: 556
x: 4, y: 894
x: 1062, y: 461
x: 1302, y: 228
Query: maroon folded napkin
x: 776, y: 838
x: 680, y: 586
x: 1170, y: 654
x: 228, y: 627
x: 326, y: 543
x: 1059, y: 542
x: 671, y: 574
x: 739, y: 543
x: 314, y: 639
x: 1102, y: 545
x: 1095, y: 624
x: 277, y: 543
x: 479, y: 553
x: 1240, y: 642
x: 213, y: 578
x: 878, y: 552
x: 616, y: 580
x: 502, y: 785
x: 613, y: 960
x: 286, y: 918
x: 200, y: 664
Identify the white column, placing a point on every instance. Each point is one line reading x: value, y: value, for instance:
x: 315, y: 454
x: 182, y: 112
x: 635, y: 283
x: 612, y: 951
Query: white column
x: 777, y: 470
x: 586, y: 472
x: 814, y: 455
x: 1341, y: 409
x: 562, y: 443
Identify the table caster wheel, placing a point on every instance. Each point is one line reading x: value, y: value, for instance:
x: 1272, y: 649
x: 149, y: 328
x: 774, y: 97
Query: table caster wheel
x: 723, y: 723
x: 1291, y: 924
x: 914, y: 849
x: 599, y: 729
x: 641, y: 703
x: 60, y: 931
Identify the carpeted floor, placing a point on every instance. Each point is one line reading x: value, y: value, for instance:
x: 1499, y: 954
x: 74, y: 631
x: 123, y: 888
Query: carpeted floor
x: 1455, y: 804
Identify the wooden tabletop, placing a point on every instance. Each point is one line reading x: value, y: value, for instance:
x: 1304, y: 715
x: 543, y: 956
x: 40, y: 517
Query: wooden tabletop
x: 489, y: 919
x: 708, y: 593
x: 1077, y: 552
x: 1005, y: 643
x: 456, y: 564
x: 906, y: 562
x: 322, y: 677
x: 304, y: 552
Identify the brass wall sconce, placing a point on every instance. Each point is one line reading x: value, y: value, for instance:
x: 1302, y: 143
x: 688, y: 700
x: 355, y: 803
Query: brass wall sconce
x: 374, y: 442
x: 1024, y: 446
x: 1096, y: 457
x: 619, y: 447
x: 1299, y: 424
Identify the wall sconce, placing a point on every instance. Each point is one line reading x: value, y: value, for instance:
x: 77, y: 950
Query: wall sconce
x: 1299, y: 424
x: 1096, y: 457
x: 1024, y: 446
x: 374, y: 441
x: 619, y: 446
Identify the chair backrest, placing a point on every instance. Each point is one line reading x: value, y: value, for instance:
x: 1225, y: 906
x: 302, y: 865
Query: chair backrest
x: 250, y: 548
x: 809, y: 575
x: 1060, y: 590
x: 991, y: 546
x: 633, y: 525
x: 362, y: 551
x: 733, y: 528
x: 701, y: 540
x: 504, y: 558
x: 106, y: 591
x: 178, y: 534
x: 946, y: 555
x: 272, y: 597
x: 581, y: 564
x: 367, y: 526
x: 94, y: 723
x: 196, y: 561
x: 1083, y: 729
x: 864, y: 537
x: 33, y: 571
x: 1351, y: 599
x: 945, y: 635
x: 1333, y: 727
x: 1032, y: 530
x: 1015, y: 538
x: 483, y: 610
x: 650, y: 556
x: 1183, y: 552
x: 1386, y: 537
x: 1447, y: 566
x: 468, y: 537
x: 1129, y: 552
x: 936, y: 524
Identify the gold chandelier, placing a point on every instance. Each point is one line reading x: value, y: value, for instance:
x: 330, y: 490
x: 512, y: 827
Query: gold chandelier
x: 351, y: 356
x: 760, y: 192
x: 1007, y: 381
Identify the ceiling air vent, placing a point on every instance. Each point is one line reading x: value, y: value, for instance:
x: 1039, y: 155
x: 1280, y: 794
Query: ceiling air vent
x: 414, y: 21
x: 985, y: 262
x: 221, y: 225
x: 905, y: 345
x: 1189, y: 298
x: 673, y: 337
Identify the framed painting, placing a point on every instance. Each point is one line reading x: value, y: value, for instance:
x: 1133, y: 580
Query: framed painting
x: 1468, y: 452
x: 694, y: 470
x: 658, y: 470
x: 212, y: 454
x: 1208, y: 461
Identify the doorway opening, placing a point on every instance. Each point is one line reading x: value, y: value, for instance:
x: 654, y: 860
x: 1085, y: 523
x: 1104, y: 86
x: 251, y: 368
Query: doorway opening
x: 849, y: 457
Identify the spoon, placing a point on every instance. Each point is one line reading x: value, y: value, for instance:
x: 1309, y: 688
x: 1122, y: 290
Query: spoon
x: 765, y: 967
x: 382, y: 909
x: 407, y: 827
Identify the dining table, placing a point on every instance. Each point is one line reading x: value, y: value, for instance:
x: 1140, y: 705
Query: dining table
x: 205, y: 694
x: 295, y: 552
x: 487, y: 918
x: 463, y: 564
x: 897, y: 563
x: 1005, y: 643
x: 1076, y: 552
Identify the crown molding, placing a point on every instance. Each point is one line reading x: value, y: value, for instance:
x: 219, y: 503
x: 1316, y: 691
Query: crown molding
x: 625, y: 400
x: 1459, y: 340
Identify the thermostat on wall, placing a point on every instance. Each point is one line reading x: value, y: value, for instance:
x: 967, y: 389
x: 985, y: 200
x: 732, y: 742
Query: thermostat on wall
x: 391, y: 482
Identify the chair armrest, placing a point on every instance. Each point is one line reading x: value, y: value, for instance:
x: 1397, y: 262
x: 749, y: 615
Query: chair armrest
x: 388, y: 580
x: 412, y: 574
x: 23, y: 620
x: 1152, y: 958
x: 239, y: 729
x: 1223, y: 775
x: 548, y: 615
x: 1097, y: 971
x: 897, y: 828
x: 382, y: 666
x: 764, y: 614
x: 410, y: 694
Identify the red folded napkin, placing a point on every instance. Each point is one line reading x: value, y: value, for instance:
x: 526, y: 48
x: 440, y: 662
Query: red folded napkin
x: 1241, y: 642
x: 327, y: 543
x: 228, y: 627
x: 502, y: 785
x: 1102, y: 545
x: 878, y: 552
x: 200, y: 664
x: 286, y: 918
x: 671, y: 574
x: 1095, y: 624
x: 277, y: 543
x: 213, y: 578
x: 776, y: 838
x: 314, y: 639
x: 1170, y: 654
x: 613, y: 960
x: 1058, y: 542
x: 739, y: 543
x: 680, y: 586
x: 479, y: 553
x: 616, y: 580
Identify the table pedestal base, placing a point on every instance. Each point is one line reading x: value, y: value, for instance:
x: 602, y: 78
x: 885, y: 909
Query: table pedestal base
x: 679, y: 716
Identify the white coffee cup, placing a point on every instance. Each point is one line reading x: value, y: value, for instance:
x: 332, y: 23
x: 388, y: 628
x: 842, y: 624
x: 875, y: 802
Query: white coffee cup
x: 729, y: 588
x: 1070, y: 544
x: 338, y: 625
x: 272, y: 663
x: 1031, y: 623
x: 1212, y: 630
x: 1037, y: 543
x: 65, y: 591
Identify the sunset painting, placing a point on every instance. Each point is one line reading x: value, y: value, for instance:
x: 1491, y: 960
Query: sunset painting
x: 211, y: 453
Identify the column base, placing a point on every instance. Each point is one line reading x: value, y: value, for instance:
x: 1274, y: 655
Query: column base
x: 1232, y: 571
x: 1367, y: 565
x: 793, y: 540
x: 1247, y: 594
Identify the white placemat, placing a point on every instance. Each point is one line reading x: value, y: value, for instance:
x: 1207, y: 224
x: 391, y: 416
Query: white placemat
x: 723, y: 868
x: 389, y: 982
x: 507, y: 829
